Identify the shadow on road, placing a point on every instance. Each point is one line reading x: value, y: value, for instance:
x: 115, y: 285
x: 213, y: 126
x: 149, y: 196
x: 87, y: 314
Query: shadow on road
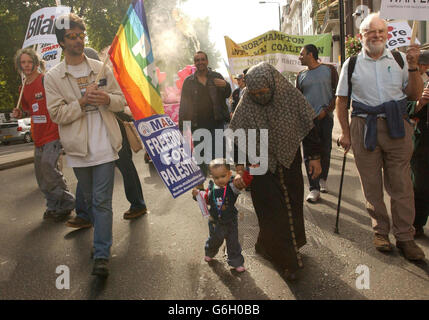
x: 241, y: 285
x: 316, y: 283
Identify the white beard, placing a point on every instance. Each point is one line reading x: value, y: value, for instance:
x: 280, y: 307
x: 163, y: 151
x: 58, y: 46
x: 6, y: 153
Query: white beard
x: 375, y: 48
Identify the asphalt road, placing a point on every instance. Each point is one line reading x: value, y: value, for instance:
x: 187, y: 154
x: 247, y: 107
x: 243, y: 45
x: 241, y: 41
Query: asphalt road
x: 160, y: 256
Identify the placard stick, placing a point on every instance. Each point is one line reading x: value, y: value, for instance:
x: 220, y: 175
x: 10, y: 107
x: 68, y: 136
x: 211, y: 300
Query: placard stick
x: 102, y: 69
x: 414, y: 31
x: 22, y: 91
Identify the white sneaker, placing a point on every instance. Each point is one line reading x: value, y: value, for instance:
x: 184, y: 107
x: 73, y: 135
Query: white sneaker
x: 313, y: 196
x: 323, y: 186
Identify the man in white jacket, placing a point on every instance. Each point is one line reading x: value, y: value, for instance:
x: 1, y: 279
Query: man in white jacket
x: 88, y: 129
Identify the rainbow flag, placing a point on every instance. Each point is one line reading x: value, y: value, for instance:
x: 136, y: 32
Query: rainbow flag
x: 133, y: 64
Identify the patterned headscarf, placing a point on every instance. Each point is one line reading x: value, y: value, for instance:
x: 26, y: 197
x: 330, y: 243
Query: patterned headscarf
x: 283, y: 111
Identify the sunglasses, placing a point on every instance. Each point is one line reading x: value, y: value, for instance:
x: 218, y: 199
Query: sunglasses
x: 75, y: 35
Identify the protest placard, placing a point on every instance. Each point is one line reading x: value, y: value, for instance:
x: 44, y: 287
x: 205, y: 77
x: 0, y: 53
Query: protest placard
x: 405, y: 9
x: 399, y: 35
x: 172, y: 158
x: 41, y: 26
x: 50, y: 53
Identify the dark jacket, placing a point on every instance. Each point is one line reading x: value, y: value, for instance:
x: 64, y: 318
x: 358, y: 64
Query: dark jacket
x: 189, y: 99
x: 235, y: 99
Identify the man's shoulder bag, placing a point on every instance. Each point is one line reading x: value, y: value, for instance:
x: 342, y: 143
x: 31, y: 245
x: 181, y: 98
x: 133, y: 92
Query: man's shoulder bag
x: 133, y: 137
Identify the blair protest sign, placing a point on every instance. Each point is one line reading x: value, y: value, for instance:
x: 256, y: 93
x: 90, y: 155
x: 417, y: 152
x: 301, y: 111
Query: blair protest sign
x: 41, y: 26
x: 172, y: 158
x: 277, y: 48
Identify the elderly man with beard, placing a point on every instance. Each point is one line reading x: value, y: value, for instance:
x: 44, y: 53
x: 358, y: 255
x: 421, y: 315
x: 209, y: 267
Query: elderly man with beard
x: 380, y: 134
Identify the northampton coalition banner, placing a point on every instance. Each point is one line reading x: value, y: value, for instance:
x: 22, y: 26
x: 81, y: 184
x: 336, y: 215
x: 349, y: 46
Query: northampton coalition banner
x: 41, y: 26
x: 405, y: 9
x: 279, y: 49
x: 172, y: 158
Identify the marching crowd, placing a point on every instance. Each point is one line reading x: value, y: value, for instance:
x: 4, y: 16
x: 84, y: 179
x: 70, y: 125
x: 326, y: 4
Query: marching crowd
x: 72, y: 114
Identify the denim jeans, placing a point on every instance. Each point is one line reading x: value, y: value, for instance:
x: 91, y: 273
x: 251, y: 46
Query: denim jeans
x: 324, y: 129
x: 132, y: 185
x: 220, y: 231
x: 96, y: 184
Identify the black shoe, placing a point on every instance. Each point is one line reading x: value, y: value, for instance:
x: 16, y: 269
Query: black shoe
x: 48, y: 214
x: 100, y: 268
x: 57, y: 216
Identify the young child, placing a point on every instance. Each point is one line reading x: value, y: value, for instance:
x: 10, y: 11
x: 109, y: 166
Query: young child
x: 221, y: 196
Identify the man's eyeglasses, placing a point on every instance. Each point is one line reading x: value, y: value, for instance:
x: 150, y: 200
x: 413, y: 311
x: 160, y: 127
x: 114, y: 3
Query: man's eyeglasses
x: 75, y: 35
x: 370, y: 33
x: 198, y: 60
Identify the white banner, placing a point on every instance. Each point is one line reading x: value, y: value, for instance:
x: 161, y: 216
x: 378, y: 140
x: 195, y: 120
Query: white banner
x: 399, y: 35
x: 405, y: 9
x: 41, y: 26
x: 50, y: 53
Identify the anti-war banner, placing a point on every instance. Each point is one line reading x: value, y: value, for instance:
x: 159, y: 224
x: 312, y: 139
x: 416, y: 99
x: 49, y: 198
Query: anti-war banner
x: 399, y: 35
x: 173, y: 160
x: 41, y: 26
x: 279, y: 49
x: 405, y: 9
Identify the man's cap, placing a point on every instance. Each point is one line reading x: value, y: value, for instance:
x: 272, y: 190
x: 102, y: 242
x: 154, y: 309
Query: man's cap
x: 424, y: 57
x: 239, y: 76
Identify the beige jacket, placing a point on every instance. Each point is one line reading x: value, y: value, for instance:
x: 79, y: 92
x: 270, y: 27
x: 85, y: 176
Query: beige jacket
x: 62, y: 95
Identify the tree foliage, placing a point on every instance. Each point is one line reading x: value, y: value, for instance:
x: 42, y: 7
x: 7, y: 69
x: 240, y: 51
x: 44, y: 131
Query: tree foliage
x: 174, y: 37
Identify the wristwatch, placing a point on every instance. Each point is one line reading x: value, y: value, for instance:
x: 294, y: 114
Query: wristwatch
x: 413, y: 70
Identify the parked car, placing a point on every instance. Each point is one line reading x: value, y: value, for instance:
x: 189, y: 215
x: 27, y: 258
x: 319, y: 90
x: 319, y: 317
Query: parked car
x: 18, y: 130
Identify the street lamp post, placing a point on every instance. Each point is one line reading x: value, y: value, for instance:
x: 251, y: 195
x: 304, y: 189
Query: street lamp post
x: 280, y: 17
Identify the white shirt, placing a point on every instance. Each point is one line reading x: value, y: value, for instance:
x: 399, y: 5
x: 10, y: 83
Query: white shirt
x: 375, y: 81
x: 99, y: 148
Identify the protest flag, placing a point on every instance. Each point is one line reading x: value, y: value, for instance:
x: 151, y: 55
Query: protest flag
x: 133, y: 64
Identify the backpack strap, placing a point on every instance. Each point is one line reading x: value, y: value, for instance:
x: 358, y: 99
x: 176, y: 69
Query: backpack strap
x: 297, y: 85
x: 350, y: 69
x: 398, y: 57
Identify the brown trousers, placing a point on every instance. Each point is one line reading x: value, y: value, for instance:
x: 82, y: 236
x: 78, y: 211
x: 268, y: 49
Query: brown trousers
x: 390, y: 160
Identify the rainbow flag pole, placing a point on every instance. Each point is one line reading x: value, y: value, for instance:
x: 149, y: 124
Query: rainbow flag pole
x: 133, y: 64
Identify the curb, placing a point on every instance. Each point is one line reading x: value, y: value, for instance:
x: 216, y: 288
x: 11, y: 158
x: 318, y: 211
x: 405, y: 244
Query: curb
x: 16, y: 163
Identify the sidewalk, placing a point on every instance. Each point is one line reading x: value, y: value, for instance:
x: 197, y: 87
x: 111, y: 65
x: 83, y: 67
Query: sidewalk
x: 16, y: 159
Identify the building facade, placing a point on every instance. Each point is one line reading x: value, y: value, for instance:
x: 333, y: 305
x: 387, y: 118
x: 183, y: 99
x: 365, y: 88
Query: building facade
x: 308, y: 17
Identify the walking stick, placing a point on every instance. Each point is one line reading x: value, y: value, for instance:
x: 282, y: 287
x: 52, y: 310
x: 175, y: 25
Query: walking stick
x: 341, y: 190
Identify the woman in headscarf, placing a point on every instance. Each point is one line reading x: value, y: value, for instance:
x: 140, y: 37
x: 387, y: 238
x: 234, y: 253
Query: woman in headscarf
x: 271, y: 102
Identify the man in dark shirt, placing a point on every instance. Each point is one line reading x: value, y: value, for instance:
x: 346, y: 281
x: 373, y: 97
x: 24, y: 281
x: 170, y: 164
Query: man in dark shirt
x: 237, y: 93
x: 203, y: 103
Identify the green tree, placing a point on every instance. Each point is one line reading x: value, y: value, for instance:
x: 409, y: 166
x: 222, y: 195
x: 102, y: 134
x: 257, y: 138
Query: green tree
x: 174, y: 37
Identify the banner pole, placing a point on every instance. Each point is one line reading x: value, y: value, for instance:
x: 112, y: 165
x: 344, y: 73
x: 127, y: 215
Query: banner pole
x: 414, y: 31
x: 97, y: 79
x: 22, y: 91
x: 342, y: 33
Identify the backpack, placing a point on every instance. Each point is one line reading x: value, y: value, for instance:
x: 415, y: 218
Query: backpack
x: 351, y: 67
